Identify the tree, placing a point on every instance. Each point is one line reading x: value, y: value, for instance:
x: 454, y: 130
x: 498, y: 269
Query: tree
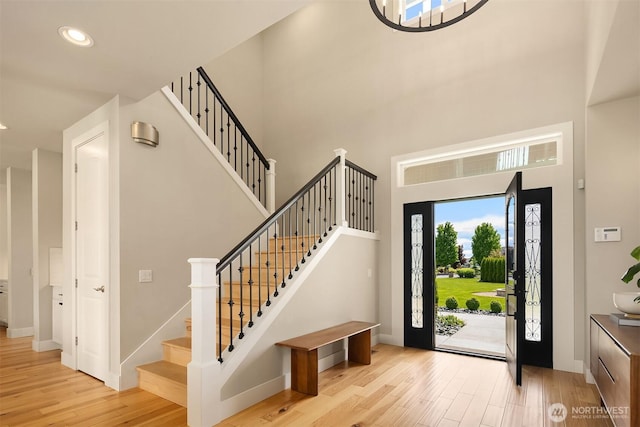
x: 485, y: 240
x: 461, y: 258
x: 446, y: 245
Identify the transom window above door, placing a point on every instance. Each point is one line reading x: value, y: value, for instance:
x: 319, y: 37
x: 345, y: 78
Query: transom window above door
x: 482, y: 160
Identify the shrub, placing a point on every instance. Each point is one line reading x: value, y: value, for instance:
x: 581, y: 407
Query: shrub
x: 495, y: 307
x: 492, y: 270
x: 451, y: 303
x: 472, y: 304
x: 450, y: 320
x: 466, y: 273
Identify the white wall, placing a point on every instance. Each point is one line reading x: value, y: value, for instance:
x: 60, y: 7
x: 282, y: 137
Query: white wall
x: 612, y: 198
x: 176, y: 202
x: 238, y: 76
x: 380, y: 94
x: 20, y: 322
x: 47, y: 233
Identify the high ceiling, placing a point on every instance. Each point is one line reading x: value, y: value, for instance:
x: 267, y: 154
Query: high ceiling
x: 47, y: 84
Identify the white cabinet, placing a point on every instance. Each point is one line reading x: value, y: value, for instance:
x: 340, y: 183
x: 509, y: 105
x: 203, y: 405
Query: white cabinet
x: 56, y: 314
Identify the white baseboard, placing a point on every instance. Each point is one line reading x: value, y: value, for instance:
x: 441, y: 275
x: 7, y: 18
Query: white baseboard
x: 588, y: 377
x: 20, y: 332
x: 44, y: 345
x: 241, y: 401
x: 390, y: 339
x: 68, y: 360
x: 113, y: 381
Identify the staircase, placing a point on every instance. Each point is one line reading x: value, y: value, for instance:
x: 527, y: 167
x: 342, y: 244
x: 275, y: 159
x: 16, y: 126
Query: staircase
x: 258, y: 269
x: 167, y: 378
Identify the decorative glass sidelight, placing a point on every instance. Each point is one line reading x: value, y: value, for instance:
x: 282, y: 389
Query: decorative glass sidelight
x: 533, y: 220
x: 417, y: 276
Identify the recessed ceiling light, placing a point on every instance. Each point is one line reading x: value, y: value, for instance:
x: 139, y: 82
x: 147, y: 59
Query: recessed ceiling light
x: 75, y: 36
x: 2, y: 127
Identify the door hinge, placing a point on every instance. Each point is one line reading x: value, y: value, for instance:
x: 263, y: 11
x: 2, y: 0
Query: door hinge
x: 76, y: 225
x: 76, y: 168
x: 76, y: 340
x: 76, y: 283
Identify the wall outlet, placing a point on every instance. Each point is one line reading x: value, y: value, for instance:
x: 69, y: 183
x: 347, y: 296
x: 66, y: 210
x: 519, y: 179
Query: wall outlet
x: 145, y: 276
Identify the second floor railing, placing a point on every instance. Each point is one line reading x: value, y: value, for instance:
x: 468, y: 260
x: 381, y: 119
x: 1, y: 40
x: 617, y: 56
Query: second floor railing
x: 205, y: 103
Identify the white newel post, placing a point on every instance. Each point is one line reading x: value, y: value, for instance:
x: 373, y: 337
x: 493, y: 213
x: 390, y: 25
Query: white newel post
x: 271, y: 186
x: 203, y: 390
x: 341, y: 219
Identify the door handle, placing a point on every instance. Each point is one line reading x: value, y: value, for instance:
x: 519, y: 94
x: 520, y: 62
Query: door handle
x: 100, y: 289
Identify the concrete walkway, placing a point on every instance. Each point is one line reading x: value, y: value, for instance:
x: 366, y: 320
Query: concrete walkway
x: 482, y: 334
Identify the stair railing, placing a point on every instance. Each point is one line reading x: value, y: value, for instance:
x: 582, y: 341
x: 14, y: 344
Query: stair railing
x: 254, y: 272
x: 205, y: 103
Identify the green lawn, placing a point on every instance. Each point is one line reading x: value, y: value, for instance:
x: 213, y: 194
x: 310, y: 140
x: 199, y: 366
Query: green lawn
x: 464, y: 289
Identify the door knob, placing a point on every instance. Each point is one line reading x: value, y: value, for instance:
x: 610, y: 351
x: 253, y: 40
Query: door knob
x: 100, y: 289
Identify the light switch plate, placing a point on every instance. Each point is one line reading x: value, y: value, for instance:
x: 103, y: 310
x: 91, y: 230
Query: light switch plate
x: 145, y: 276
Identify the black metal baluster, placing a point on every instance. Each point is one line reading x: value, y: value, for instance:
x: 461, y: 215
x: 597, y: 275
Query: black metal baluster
x: 230, y: 309
x: 206, y: 109
x: 268, y: 265
x: 220, y: 285
x: 302, y: 237
x: 308, y: 223
x: 275, y: 260
x: 297, y: 248
x: 235, y: 150
x: 250, y: 324
x: 229, y: 140
x: 241, y: 312
x: 198, y: 84
x: 182, y: 90
x: 315, y: 217
x: 259, y: 276
x: 324, y: 217
x: 290, y: 260
x: 190, y: 94
x: 253, y: 176
x: 283, y: 228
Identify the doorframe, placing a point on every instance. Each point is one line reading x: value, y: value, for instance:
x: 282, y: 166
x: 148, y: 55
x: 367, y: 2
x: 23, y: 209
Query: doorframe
x: 568, y: 331
x: 76, y: 143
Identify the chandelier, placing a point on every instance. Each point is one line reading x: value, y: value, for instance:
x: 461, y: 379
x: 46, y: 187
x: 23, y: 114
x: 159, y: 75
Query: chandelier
x: 423, y: 15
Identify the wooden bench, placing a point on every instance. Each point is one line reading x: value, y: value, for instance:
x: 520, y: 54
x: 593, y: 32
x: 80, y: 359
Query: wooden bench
x: 304, y: 351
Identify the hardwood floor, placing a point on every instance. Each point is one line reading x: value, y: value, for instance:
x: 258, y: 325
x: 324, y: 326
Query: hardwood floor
x: 401, y: 387
x: 36, y: 390
x: 408, y: 387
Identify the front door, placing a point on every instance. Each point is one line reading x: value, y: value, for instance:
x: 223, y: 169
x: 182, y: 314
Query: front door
x: 91, y: 252
x: 514, y: 279
x: 419, y: 271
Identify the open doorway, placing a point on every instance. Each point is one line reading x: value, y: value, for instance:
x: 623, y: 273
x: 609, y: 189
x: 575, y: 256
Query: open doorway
x: 469, y: 280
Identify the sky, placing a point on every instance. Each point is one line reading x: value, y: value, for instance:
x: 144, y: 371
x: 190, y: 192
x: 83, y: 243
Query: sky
x: 466, y: 215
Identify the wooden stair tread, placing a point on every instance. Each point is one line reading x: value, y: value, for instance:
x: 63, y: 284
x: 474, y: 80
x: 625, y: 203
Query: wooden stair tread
x: 166, y: 370
x: 184, y: 342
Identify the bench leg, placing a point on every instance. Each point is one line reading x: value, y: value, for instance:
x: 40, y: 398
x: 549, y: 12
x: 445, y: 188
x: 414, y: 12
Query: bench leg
x: 304, y: 371
x: 360, y: 348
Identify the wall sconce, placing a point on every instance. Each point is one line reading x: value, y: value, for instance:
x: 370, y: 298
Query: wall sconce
x: 144, y: 133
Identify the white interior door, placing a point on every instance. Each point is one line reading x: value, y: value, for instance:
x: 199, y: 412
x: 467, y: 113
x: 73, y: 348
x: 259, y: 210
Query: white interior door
x: 92, y: 254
